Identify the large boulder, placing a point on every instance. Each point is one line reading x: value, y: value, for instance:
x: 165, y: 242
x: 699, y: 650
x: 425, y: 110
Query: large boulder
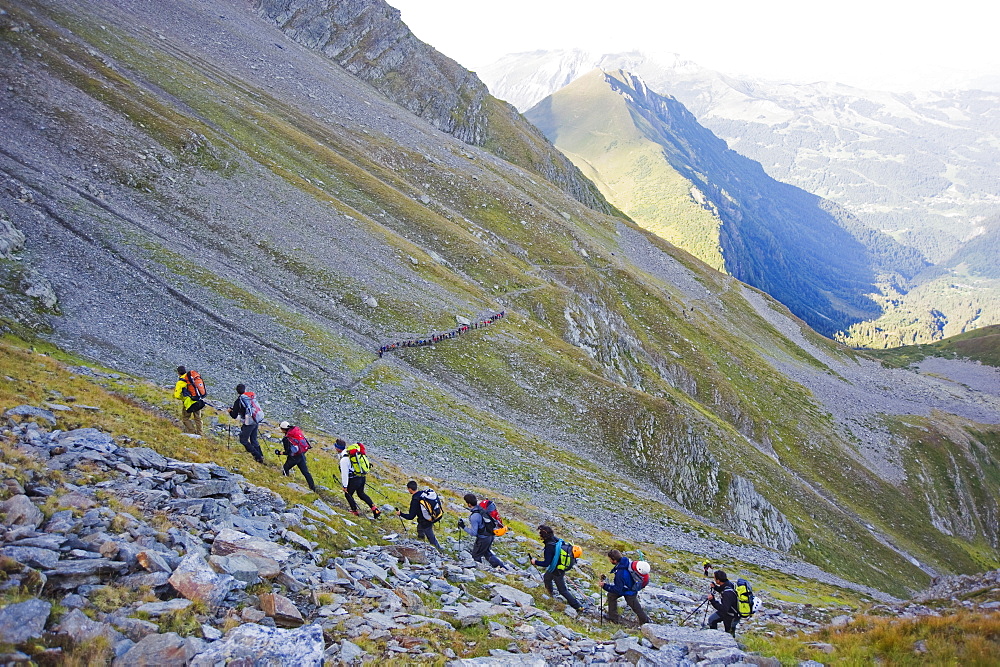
x: 511, y: 594
x: 281, y: 609
x: 23, y: 621
x: 20, y: 511
x: 31, y: 411
x: 68, y: 574
x: 45, y: 559
x: 266, y: 555
x: 252, y: 644
x: 695, y: 640
x: 169, y: 650
x: 79, y: 629
x: 195, y: 579
x: 90, y: 439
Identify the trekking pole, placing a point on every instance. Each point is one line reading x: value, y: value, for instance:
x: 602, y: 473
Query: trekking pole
x: 602, y: 605
x: 694, y: 611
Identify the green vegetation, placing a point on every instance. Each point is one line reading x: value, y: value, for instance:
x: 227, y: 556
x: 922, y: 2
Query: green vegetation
x: 982, y: 345
x: 962, y: 638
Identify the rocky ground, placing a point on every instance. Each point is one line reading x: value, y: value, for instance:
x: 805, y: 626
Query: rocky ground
x: 171, y: 562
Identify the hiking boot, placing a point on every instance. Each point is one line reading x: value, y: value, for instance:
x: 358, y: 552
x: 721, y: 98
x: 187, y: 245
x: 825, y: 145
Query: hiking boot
x: 376, y: 512
x: 354, y: 512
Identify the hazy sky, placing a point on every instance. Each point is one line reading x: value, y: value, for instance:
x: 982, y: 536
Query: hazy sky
x: 874, y: 43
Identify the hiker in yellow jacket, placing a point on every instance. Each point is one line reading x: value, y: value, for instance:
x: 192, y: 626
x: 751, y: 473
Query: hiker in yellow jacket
x: 191, y: 420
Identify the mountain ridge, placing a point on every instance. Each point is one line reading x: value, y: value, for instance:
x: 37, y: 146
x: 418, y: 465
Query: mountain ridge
x: 773, y: 236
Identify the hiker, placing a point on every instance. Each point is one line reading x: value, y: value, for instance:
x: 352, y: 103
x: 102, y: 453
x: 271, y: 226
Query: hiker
x: 249, y: 414
x: 353, y: 480
x: 726, y: 609
x: 555, y: 570
x: 190, y: 405
x: 296, y: 446
x: 480, y: 526
x: 425, y: 524
x: 706, y: 566
x: 621, y: 587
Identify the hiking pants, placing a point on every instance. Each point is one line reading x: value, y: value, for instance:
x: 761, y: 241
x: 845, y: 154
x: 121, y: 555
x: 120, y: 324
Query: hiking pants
x: 191, y: 421
x: 630, y: 600
x: 427, y: 533
x: 248, y: 438
x: 728, y: 623
x: 559, y: 577
x: 356, y: 485
x: 299, y: 460
x: 481, y: 549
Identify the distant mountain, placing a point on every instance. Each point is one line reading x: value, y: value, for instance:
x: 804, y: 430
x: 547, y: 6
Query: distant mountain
x: 653, y: 160
x: 923, y: 168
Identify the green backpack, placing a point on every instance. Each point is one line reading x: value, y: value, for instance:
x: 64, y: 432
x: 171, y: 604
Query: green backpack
x: 360, y: 464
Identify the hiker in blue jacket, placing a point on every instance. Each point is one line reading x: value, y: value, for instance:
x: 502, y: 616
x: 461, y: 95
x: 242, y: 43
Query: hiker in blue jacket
x: 481, y: 526
x: 622, y: 587
x: 550, y: 561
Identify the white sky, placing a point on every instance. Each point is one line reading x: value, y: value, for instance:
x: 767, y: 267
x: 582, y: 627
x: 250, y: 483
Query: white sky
x: 889, y: 44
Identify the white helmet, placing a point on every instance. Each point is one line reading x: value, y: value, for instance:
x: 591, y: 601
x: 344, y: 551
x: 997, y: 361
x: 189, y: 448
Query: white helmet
x: 642, y: 567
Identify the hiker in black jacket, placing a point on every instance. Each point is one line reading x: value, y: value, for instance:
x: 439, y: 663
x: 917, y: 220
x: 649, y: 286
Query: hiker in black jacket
x: 551, y: 562
x: 727, y: 609
x: 425, y: 527
x: 295, y: 447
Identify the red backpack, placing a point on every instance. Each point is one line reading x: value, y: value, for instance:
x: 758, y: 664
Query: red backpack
x: 490, y: 508
x: 297, y: 440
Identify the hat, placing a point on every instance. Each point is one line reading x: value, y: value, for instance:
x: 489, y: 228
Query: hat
x: 284, y: 426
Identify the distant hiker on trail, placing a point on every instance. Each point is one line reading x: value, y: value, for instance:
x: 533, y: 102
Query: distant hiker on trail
x: 296, y: 446
x: 706, y: 566
x: 481, y: 526
x: 622, y: 586
x: 249, y: 414
x: 354, y: 466
x: 555, y: 567
x: 726, y: 610
x: 425, y: 507
x: 189, y: 390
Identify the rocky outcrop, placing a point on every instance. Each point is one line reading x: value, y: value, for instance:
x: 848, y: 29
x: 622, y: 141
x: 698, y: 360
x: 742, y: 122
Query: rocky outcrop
x: 368, y: 39
x: 751, y: 515
x: 11, y: 238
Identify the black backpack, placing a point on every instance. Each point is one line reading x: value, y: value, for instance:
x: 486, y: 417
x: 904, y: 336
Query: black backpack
x: 430, y: 506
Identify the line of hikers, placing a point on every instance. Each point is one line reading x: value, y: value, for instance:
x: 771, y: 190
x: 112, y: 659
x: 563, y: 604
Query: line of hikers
x: 438, y: 337
x: 629, y: 577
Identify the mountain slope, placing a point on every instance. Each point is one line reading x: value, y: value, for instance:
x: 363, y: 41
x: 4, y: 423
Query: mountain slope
x: 674, y: 177
x: 368, y: 39
x: 197, y: 188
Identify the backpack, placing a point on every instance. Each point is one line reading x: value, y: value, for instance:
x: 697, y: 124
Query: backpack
x: 566, y: 556
x: 360, y: 465
x: 195, y: 385
x: 430, y: 506
x: 746, y: 602
x: 297, y: 441
x: 640, y: 579
x: 254, y: 413
x: 490, y: 510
